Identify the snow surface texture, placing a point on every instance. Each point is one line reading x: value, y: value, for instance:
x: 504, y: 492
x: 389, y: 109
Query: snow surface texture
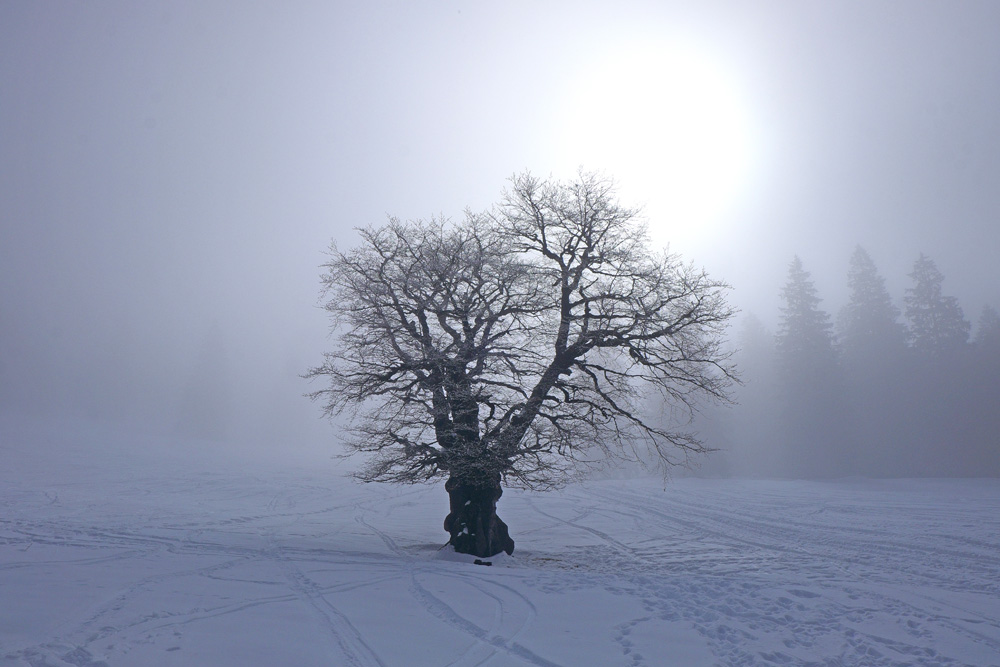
x: 126, y: 557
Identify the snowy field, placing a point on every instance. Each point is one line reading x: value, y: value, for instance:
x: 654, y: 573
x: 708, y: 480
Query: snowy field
x: 143, y: 555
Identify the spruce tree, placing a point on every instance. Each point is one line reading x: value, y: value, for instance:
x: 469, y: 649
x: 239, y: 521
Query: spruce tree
x: 873, y: 343
x: 869, y: 324
x: 988, y: 331
x: 937, y: 323
x: 810, y: 386
x: 805, y: 333
x: 938, y: 387
x: 982, y: 422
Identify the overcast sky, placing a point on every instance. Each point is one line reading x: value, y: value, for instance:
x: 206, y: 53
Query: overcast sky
x: 171, y: 173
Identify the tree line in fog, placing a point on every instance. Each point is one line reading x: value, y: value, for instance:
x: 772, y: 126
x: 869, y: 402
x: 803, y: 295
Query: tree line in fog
x: 876, y: 390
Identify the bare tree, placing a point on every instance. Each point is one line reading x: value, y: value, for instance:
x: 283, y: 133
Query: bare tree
x: 515, y: 345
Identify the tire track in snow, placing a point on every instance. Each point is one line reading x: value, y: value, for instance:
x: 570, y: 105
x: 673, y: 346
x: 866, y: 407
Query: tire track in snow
x: 809, y: 616
x: 856, y: 547
x: 572, y: 523
x: 105, y: 621
x: 488, y: 639
x: 151, y: 543
x: 72, y: 646
x: 715, y: 605
x: 352, y: 644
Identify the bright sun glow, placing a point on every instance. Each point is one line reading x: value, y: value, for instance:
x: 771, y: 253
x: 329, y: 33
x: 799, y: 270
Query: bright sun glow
x: 672, y: 129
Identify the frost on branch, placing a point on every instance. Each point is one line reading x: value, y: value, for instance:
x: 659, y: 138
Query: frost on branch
x: 515, y: 345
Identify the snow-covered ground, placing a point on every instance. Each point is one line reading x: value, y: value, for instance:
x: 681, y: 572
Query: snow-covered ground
x: 134, y: 554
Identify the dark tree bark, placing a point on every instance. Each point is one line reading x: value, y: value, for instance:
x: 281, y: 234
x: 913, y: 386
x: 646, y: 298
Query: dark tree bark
x: 473, y: 523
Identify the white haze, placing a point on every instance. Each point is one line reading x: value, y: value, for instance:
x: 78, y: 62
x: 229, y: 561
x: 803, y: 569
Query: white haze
x: 171, y: 173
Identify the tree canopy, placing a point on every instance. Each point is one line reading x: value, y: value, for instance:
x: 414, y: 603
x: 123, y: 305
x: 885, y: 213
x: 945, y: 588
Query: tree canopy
x: 517, y: 342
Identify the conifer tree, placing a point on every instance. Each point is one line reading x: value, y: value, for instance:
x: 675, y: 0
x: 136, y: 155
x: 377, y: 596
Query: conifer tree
x: 869, y: 324
x: 982, y: 422
x: 937, y: 385
x: 873, y: 344
x: 937, y: 323
x: 988, y: 331
x: 810, y: 383
x: 805, y: 333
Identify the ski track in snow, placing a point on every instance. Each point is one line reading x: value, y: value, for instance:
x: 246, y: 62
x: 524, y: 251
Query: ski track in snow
x: 180, y: 569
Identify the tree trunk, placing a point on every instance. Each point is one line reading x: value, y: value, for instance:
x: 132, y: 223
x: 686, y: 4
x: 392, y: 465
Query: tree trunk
x: 473, y: 523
